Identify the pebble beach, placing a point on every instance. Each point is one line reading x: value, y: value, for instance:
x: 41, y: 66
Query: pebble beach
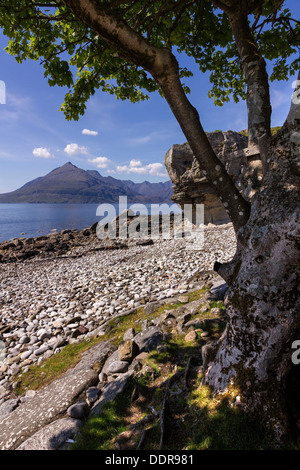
x: 48, y: 302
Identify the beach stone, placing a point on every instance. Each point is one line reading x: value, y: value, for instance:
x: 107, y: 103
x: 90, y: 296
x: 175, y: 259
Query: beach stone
x: 48, y: 403
x: 24, y: 339
x: 52, y: 436
x: 118, y: 367
x: 190, y: 336
x: 129, y: 334
x: 127, y: 350
x: 25, y: 355
x: 3, y: 368
x: 109, y: 393
x: 149, y: 339
x: 41, y: 350
x: 92, y: 394
x: 58, y: 323
x: 7, y: 407
x: 79, y: 410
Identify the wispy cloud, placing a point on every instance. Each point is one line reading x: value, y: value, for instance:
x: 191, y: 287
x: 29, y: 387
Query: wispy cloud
x: 139, y: 140
x: 15, y: 108
x: 89, y: 132
x: 42, y: 152
x: 75, y: 149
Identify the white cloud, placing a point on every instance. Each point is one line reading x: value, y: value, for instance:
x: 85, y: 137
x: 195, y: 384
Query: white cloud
x: 134, y: 163
x: 100, y: 162
x: 135, y: 166
x: 75, y: 149
x: 42, y: 152
x: 157, y: 169
x: 89, y: 132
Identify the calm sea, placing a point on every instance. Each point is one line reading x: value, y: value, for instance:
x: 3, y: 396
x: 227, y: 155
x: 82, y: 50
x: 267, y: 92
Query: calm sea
x: 33, y: 220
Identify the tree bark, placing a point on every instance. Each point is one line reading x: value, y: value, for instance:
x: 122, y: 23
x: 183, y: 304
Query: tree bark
x: 255, y: 73
x: 254, y: 355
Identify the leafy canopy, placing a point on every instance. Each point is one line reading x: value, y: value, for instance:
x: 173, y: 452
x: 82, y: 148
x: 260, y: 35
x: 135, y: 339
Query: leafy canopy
x: 75, y: 57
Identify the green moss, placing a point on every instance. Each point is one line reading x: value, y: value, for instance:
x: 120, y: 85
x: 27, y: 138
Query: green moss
x: 50, y: 369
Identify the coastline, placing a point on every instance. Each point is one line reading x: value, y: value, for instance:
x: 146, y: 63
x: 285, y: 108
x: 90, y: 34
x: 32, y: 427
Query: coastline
x: 55, y: 299
x: 59, y: 296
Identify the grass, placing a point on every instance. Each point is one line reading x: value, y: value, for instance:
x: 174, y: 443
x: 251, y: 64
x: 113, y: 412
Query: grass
x: 217, y: 424
x: 194, y: 420
x: 98, y: 432
x: 50, y: 369
x: 274, y: 130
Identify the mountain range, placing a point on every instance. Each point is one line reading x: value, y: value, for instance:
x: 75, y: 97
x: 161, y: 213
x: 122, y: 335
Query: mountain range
x: 70, y: 184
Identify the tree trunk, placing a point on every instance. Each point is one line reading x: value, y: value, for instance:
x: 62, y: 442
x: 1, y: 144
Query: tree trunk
x: 254, y: 355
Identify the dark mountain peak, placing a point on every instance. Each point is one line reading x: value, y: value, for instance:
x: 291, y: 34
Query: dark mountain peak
x: 68, y: 183
x: 70, y: 165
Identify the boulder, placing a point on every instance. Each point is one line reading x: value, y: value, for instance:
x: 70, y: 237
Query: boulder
x: 128, y: 350
x: 47, y: 404
x: 190, y: 182
x: 149, y: 339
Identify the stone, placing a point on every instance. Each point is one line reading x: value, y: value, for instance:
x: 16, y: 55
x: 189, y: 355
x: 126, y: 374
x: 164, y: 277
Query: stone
x: 127, y: 350
x: 7, y: 407
x: 57, y: 323
x: 190, y: 336
x: 129, y: 334
x: 92, y: 395
x: 95, y: 358
x: 141, y: 357
x: 152, y: 306
x: 118, y: 367
x: 12, y: 360
x: 79, y: 410
x: 218, y: 290
x: 190, y: 182
x: 3, y: 367
x: 52, y: 436
x: 48, y: 403
x: 41, y: 350
x: 184, y: 318
x: 149, y: 339
x: 24, y: 339
x: 25, y: 355
x: 204, y: 308
x: 109, y: 392
x: 183, y: 299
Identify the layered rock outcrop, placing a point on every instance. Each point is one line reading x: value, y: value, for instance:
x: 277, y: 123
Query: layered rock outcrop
x: 191, y: 185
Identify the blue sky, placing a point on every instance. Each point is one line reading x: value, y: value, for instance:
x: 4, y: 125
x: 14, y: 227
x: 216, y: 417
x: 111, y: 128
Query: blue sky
x: 120, y: 139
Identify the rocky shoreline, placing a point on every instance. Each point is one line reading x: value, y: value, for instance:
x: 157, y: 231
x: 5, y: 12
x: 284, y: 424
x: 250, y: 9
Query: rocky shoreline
x: 50, y: 418
x: 50, y: 300
x: 65, y: 296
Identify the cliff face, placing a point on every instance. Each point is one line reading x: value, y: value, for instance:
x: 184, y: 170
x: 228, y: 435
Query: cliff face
x: 191, y: 185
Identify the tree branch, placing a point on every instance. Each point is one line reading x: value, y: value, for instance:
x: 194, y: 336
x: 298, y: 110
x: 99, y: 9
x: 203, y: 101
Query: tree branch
x: 163, y: 67
x: 254, y: 69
